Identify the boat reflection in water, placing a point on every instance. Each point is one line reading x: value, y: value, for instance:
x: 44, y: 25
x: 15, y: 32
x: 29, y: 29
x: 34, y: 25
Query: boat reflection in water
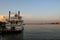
x: 12, y: 36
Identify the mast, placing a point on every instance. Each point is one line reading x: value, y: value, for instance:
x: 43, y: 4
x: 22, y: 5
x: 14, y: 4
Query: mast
x: 9, y: 15
x: 18, y: 13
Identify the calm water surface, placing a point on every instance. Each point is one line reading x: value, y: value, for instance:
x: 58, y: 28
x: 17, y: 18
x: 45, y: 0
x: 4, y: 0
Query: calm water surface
x: 36, y: 32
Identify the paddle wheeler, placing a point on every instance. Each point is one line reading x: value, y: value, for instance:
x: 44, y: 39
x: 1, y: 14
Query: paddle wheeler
x: 12, y: 24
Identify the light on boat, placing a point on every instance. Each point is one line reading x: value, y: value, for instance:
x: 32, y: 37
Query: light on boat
x: 1, y: 18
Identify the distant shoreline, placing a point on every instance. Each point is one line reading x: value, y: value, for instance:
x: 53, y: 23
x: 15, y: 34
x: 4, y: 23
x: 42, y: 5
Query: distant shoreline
x: 41, y: 23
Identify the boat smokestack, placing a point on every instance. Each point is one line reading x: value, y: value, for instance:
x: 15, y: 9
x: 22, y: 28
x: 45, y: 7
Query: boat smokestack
x: 18, y: 13
x: 9, y: 15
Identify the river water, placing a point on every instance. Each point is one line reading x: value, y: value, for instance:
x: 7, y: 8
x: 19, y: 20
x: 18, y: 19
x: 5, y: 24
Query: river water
x: 36, y: 32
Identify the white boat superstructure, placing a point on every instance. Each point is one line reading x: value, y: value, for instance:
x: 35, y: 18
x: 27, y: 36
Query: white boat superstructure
x: 14, y: 22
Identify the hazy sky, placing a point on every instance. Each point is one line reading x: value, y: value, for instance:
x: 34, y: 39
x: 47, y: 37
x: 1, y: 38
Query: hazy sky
x: 37, y: 10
